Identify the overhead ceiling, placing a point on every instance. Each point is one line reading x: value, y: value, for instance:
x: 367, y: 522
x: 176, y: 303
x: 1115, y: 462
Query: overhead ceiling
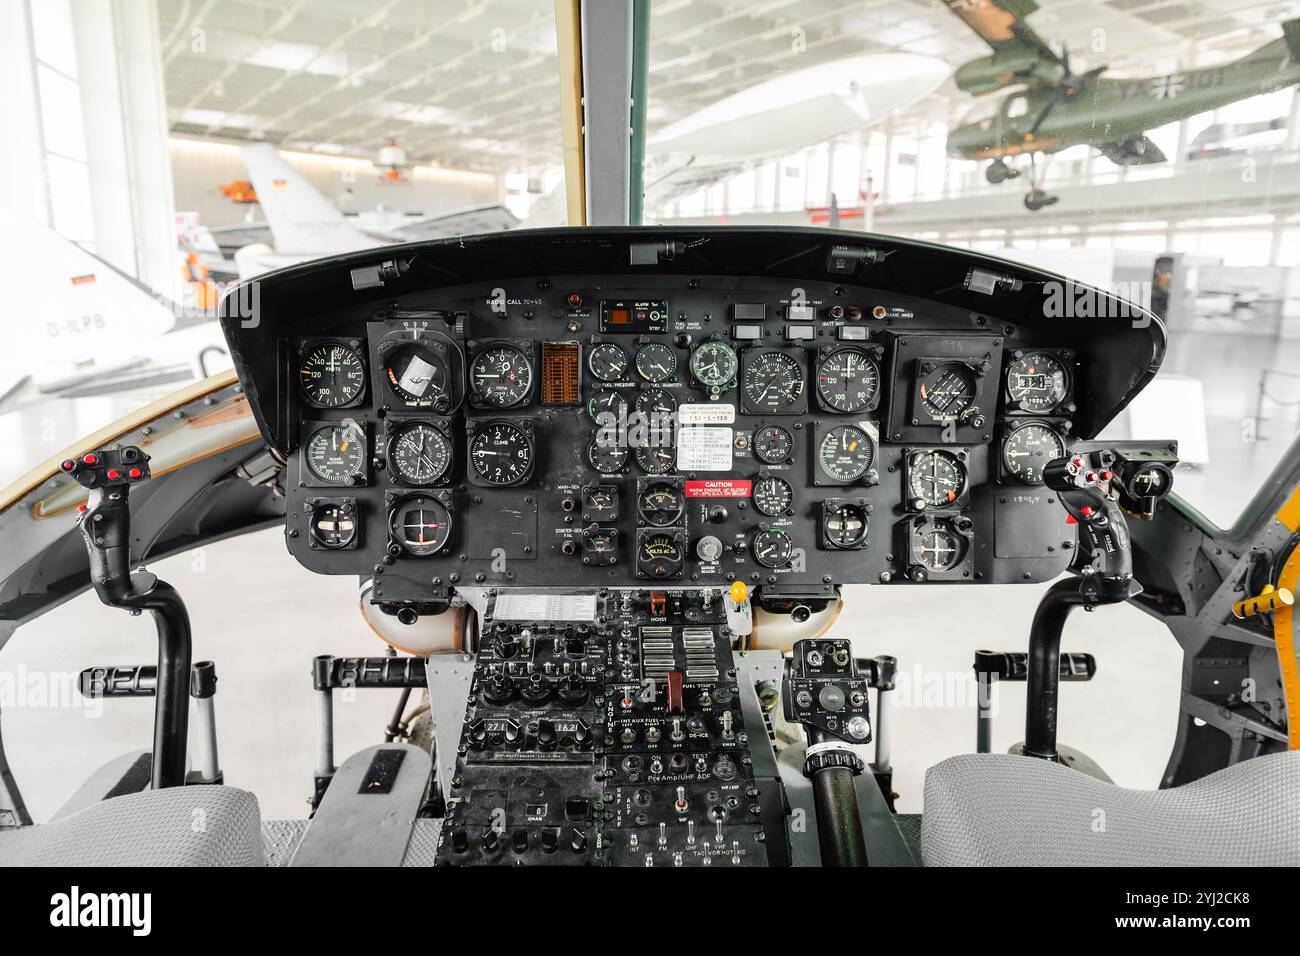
x: 474, y: 84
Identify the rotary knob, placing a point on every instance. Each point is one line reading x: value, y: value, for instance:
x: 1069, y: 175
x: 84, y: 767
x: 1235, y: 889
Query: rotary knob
x: 477, y: 733
x: 498, y: 688
x: 535, y: 689
x: 506, y: 644
x: 545, y: 733
x: 708, y: 548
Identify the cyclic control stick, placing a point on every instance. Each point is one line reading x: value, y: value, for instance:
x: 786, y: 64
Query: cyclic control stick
x: 105, y: 522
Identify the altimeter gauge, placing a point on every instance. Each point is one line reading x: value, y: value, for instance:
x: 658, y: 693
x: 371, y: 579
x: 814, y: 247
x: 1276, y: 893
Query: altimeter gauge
x: 501, y: 376
x: 336, y: 454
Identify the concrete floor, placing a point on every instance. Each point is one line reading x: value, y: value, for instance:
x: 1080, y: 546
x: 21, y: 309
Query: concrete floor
x: 262, y: 618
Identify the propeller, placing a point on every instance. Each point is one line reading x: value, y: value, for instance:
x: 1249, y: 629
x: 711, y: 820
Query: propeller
x: 1067, y: 86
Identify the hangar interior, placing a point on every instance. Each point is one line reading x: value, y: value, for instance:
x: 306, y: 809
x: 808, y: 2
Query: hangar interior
x: 128, y: 130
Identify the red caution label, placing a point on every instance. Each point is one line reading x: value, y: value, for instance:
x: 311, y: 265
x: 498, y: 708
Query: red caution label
x: 719, y: 488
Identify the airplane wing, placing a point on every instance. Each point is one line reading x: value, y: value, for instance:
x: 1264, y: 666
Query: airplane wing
x: 303, y: 222
x: 466, y: 222
x: 665, y: 185
x: 1019, y: 54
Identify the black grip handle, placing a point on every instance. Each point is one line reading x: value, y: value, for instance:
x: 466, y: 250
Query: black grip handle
x: 1014, y: 665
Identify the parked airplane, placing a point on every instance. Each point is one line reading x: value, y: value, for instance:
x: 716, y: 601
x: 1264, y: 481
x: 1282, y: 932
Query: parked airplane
x: 305, y: 225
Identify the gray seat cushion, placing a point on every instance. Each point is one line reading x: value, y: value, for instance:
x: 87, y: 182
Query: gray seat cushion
x: 179, y: 826
x: 1005, y: 810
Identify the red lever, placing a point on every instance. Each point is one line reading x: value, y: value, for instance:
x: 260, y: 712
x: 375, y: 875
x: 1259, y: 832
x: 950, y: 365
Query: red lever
x: 675, y: 705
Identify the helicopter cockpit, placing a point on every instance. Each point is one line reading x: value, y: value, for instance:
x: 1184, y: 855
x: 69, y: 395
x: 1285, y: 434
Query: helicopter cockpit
x: 603, y: 490
x: 633, y: 542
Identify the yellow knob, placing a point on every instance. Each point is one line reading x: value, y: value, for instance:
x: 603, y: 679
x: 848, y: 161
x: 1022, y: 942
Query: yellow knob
x: 739, y: 593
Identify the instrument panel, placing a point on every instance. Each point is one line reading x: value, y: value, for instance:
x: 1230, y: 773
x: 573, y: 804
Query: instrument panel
x: 645, y: 428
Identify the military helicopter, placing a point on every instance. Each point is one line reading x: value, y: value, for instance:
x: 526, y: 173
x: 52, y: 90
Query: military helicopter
x: 1050, y: 108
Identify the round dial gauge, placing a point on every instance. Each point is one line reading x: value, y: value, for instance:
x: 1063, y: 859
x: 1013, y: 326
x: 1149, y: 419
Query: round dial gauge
x: 656, y: 402
x: 419, y: 453
x: 659, y: 555
x: 773, y: 444
x: 772, y: 548
x: 606, y: 401
x: 333, y: 525
x: 1037, y: 381
x: 846, y: 526
x: 935, y: 478
x: 421, y: 526
x: 337, y: 453
x: 772, y: 495
x: 656, y: 459
x: 846, y: 453
x: 598, y: 540
x: 606, y: 459
x: 418, y: 376
x: 660, y: 505
x: 848, y: 380
x: 331, y: 375
x: 946, y: 391
x: 501, y: 453
x: 1028, y: 449
x: 714, y: 364
x: 607, y: 362
x: 773, y: 380
x: 656, y: 362
x: 501, y: 376
x: 939, y: 549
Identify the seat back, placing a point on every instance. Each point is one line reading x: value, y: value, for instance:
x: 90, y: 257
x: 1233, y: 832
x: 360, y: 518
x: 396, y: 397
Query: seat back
x: 1006, y: 810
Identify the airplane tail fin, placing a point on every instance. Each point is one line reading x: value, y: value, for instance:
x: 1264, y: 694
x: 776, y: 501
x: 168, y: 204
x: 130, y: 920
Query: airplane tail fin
x: 302, y: 220
x: 72, y: 307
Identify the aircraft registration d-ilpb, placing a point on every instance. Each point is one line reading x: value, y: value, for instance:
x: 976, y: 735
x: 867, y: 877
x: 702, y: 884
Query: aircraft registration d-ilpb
x: 1050, y: 108
x: 83, y: 323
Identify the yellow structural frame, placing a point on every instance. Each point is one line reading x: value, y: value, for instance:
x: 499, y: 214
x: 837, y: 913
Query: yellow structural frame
x: 568, y: 35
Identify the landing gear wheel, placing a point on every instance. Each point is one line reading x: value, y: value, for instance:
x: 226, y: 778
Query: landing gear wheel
x: 999, y: 172
x: 1036, y: 199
